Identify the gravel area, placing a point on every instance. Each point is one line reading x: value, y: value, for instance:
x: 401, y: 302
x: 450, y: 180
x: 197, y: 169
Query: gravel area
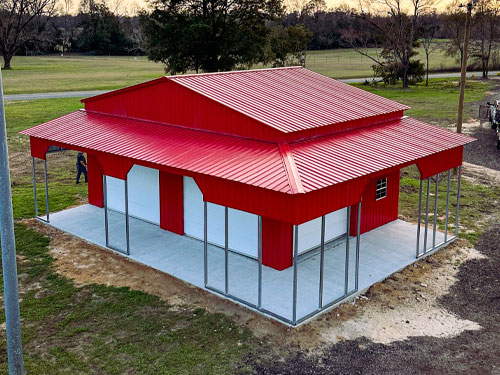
x: 476, y: 296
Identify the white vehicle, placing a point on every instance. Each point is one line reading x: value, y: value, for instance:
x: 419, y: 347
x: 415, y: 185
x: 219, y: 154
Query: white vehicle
x: 492, y: 113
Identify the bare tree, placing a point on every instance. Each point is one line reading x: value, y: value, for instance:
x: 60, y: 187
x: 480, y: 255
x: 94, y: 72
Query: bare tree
x: 66, y: 31
x: 396, y: 34
x: 454, y: 24
x: 22, y: 22
x: 485, y: 32
x: 428, y: 29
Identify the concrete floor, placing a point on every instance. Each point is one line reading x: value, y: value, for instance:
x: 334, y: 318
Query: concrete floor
x: 383, y: 251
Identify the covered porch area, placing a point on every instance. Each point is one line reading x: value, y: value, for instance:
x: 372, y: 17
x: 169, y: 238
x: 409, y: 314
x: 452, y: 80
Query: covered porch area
x: 318, y: 280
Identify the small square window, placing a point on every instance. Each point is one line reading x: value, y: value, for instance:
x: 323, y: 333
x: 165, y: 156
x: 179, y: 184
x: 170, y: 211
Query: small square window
x: 381, y: 190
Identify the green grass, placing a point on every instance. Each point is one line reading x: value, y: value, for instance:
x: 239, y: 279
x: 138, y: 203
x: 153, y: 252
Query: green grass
x: 24, y: 114
x: 347, y: 63
x: 475, y: 203
x: 76, y: 72
x: 32, y: 74
x: 63, y: 191
x: 437, y: 103
x: 106, y: 330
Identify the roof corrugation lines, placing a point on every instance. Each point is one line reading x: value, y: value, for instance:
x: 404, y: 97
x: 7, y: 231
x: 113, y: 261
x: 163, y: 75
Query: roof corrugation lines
x: 289, y: 99
x: 319, y: 162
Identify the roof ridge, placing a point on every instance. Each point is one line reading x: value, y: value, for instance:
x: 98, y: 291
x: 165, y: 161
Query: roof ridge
x: 291, y: 170
x: 174, y: 77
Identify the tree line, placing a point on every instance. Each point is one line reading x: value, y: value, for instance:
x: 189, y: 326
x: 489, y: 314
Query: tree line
x: 216, y: 35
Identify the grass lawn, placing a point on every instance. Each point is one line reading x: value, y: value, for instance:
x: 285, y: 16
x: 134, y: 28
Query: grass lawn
x: 75, y: 72
x: 437, y: 103
x: 347, y: 63
x: 31, y: 74
x: 107, y: 330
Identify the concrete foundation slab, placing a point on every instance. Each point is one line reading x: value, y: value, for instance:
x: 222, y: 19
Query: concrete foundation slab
x: 383, y: 251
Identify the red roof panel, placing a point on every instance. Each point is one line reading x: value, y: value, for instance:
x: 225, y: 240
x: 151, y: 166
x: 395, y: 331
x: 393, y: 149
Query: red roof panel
x: 289, y: 99
x: 293, y: 168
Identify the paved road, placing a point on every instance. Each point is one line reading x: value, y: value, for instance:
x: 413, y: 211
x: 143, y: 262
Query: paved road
x: 85, y: 94
x: 434, y: 75
x: 54, y: 95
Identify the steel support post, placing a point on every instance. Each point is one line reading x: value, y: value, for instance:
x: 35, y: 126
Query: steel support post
x: 127, y: 219
x: 447, y: 207
x: 226, y: 250
x: 295, y: 261
x: 419, y: 219
x: 9, y: 263
x: 434, y: 224
x: 428, y: 192
x: 458, y: 198
x: 34, y: 187
x: 205, y: 244
x: 259, y: 234
x: 46, y: 188
x: 347, y: 250
x: 321, y: 263
x: 106, y: 217
x: 358, y: 240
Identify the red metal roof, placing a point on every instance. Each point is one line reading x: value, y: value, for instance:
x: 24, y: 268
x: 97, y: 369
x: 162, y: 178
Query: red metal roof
x: 289, y: 99
x: 292, y: 168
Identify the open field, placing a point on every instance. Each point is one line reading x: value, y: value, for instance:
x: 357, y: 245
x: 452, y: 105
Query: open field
x: 81, y: 316
x: 347, y: 63
x: 436, y: 103
x: 76, y: 72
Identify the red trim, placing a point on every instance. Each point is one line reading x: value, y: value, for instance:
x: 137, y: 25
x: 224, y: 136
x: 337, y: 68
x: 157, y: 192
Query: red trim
x: 277, y: 243
x: 171, y: 203
x: 123, y: 90
x: 95, y: 186
x: 291, y: 169
x: 440, y: 162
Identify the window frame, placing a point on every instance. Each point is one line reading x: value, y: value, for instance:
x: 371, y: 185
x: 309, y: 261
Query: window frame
x: 381, y: 189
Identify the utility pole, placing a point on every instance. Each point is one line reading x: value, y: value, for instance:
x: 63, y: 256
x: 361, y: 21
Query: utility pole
x: 469, y: 6
x: 9, y: 266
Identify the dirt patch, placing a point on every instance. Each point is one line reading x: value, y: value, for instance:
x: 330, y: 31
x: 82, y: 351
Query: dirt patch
x: 473, y: 297
x: 407, y: 305
x: 86, y: 263
x: 469, y: 127
x: 478, y: 174
x: 410, y: 295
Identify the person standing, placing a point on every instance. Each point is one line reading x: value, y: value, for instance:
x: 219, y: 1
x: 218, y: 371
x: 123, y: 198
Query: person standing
x: 81, y: 167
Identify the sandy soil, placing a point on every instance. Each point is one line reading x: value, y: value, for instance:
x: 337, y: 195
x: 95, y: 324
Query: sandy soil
x: 403, y: 305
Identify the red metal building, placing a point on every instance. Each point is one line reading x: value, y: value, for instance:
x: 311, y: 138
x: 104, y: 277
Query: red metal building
x: 287, y: 145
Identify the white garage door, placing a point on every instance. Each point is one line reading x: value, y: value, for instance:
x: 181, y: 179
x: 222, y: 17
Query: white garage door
x: 242, y: 225
x: 143, y: 193
x: 310, y: 232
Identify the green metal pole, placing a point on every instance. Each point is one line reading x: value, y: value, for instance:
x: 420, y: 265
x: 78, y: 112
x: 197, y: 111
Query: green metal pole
x: 9, y: 266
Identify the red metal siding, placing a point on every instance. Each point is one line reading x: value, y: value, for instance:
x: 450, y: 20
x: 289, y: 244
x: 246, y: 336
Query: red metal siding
x: 277, y: 243
x: 171, y: 203
x: 95, y: 187
x: 440, y: 162
x: 375, y: 213
x: 170, y: 103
